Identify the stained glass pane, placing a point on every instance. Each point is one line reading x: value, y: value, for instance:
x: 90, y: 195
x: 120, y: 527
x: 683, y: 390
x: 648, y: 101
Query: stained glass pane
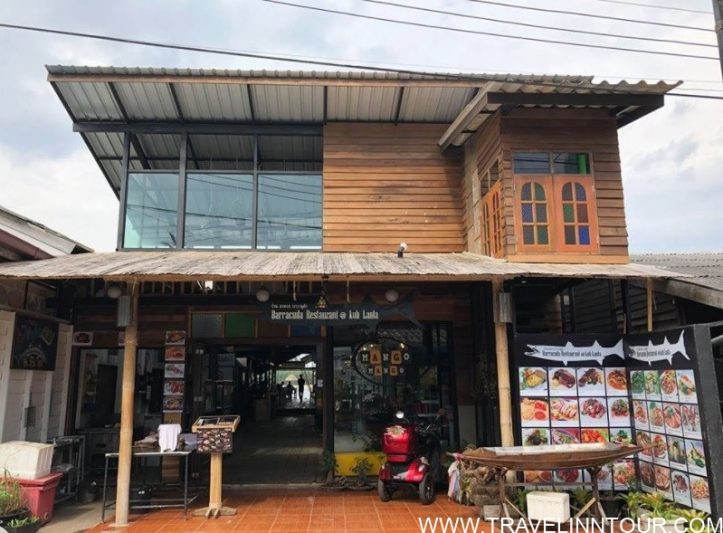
x: 528, y: 234
x: 527, y: 213
x: 567, y: 192
x: 580, y: 193
x: 582, y: 213
x: 570, y: 163
x: 584, y: 234
x: 526, y: 193
x: 539, y: 192
x: 541, y: 213
x: 542, y: 237
x: 568, y: 213
x: 570, y: 235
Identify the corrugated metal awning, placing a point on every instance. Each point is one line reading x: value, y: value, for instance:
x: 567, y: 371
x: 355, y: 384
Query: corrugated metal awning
x: 242, y: 265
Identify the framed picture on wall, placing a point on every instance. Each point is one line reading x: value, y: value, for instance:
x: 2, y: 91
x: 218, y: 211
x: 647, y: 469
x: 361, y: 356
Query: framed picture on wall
x: 35, y: 343
x: 83, y: 338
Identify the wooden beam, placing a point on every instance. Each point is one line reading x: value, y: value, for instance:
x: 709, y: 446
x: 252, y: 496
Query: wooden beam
x: 209, y: 128
x: 477, y: 105
x: 576, y: 99
x: 125, y: 449
x: 504, y: 391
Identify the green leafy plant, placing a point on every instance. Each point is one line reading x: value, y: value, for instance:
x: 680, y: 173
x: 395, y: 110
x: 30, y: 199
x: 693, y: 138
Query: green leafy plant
x: 16, y: 523
x: 520, y: 499
x: 362, y: 467
x: 633, y: 501
x: 329, y: 465
x: 580, y: 495
x: 11, y: 496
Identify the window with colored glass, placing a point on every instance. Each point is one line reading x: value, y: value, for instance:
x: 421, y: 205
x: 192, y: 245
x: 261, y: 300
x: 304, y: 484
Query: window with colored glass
x: 531, y: 162
x: 533, y: 211
x: 570, y: 163
x: 575, y: 214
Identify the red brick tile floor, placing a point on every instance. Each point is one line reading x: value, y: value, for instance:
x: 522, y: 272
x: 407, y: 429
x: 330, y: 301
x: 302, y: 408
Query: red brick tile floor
x: 305, y: 510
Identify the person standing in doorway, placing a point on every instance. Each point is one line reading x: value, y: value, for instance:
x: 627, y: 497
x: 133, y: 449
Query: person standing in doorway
x: 301, y: 381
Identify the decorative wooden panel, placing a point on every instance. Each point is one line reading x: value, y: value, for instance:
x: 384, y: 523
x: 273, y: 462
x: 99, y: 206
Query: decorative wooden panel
x: 386, y: 184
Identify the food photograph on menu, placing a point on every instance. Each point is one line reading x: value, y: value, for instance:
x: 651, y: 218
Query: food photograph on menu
x: 637, y: 384
x: 686, y: 386
x: 535, y: 412
x: 562, y: 380
x: 175, y: 353
x: 564, y: 412
x: 681, y: 488
x: 590, y: 381
x: 533, y: 381
x: 593, y: 412
x: 652, y: 385
x: 616, y: 381
x: 535, y: 437
x: 174, y: 370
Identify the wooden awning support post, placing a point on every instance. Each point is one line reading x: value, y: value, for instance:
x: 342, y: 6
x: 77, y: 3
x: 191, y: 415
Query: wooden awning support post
x: 125, y: 449
x: 503, y: 367
x: 649, y: 299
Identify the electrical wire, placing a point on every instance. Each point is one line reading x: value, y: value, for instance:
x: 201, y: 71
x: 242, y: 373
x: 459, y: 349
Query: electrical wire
x: 491, y: 34
x: 538, y: 26
x: 322, y: 62
x: 652, y: 6
x: 590, y: 15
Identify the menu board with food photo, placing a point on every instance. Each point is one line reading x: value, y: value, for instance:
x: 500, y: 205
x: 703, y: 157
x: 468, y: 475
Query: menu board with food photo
x: 686, y: 386
x: 535, y: 412
x: 594, y: 435
x: 663, y: 482
x: 175, y: 353
x: 637, y: 384
x: 669, y: 385
x: 660, y: 449
x: 616, y: 380
x: 175, y: 338
x: 174, y: 370
x: 604, y: 478
x: 643, y: 439
x: 619, y: 411
x: 590, y: 381
x: 564, y: 412
x: 535, y: 437
x: 655, y: 416
x: 593, y: 412
x: 673, y: 419
x: 652, y: 385
x: 681, y: 488
x: 622, y: 436
x: 565, y: 436
x: 691, y: 421
x: 677, y: 454
x: 533, y: 381
x: 538, y: 477
x: 640, y: 414
x: 696, y: 457
x: 172, y: 404
x: 562, y: 381
x: 568, y: 476
x: 174, y: 387
x: 700, y: 493
x: 624, y: 474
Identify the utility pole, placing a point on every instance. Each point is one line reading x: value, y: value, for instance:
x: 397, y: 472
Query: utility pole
x: 718, y: 13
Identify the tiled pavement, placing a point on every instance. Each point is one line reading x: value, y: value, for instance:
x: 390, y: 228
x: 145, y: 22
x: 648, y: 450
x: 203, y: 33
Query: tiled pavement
x: 304, y: 510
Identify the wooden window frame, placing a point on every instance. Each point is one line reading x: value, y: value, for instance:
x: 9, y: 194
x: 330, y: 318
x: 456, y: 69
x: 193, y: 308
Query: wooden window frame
x: 546, y: 183
x: 587, y: 182
x: 493, y: 221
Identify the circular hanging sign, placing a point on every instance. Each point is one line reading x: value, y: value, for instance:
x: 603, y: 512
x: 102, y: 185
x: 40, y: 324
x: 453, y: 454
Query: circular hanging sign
x: 380, y: 358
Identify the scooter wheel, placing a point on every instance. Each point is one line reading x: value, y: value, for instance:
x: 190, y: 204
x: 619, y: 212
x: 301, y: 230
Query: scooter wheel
x: 426, y: 489
x: 385, y: 493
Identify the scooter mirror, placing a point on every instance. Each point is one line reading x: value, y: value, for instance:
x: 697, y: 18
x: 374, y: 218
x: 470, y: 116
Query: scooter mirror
x: 399, y: 415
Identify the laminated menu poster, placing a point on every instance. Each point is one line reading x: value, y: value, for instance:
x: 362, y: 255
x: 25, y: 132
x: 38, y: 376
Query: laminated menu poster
x: 657, y: 390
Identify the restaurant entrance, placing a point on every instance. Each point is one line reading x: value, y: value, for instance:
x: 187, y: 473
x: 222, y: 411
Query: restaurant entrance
x: 272, y: 388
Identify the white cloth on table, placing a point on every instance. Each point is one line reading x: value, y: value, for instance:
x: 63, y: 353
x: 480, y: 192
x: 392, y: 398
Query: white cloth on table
x: 168, y: 437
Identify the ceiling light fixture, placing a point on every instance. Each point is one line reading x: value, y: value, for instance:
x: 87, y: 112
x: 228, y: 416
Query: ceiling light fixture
x: 263, y: 295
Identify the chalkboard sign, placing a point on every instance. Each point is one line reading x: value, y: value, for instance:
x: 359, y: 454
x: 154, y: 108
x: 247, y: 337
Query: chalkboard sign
x: 35, y: 342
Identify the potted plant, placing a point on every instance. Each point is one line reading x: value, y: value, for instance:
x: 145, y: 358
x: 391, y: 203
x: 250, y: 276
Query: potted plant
x: 29, y: 524
x: 675, y: 518
x: 14, y: 512
x: 361, y: 468
x: 633, y: 500
x: 329, y: 465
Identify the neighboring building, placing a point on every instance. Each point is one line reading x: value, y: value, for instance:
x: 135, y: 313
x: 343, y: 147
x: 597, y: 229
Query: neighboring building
x: 260, y: 211
x: 32, y: 402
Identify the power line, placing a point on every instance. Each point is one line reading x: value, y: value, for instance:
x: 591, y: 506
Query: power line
x: 539, y: 26
x: 652, y: 6
x: 590, y: 15
x: 326, y: 63
x: 491, y: 34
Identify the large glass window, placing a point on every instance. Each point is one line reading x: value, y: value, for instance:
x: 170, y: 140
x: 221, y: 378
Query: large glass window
x: 151, y: 211
x: 289, y: 212
x: 533, y: 211
x: 219, y: 211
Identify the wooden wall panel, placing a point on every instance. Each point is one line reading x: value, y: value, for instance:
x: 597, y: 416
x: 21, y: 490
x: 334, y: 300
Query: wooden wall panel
x: 385, y: 184
x: 573, y: 130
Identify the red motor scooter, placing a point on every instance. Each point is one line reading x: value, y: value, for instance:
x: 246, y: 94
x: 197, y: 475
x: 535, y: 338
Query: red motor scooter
x: 413, y: 458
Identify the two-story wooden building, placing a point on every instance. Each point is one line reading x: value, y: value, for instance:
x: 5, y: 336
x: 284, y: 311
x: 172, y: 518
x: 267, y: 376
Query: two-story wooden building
x: 365, y: 229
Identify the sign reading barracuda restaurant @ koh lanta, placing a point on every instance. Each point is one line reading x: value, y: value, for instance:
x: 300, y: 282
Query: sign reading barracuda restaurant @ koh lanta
x: 308, y: 313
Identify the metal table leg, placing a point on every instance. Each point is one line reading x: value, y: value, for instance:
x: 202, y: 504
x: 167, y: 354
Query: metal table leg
x: 185, y: 488
x: 105, y: 486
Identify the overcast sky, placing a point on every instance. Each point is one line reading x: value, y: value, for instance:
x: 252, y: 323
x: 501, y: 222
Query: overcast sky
x: 672, y: 159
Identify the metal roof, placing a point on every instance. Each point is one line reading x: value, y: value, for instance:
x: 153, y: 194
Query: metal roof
x: 253, y: 265
x: 703, y: 281
x: 118, y: 95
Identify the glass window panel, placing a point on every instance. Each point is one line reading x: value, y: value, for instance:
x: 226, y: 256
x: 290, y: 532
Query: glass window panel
x: 570, y: 163
x: 568, y: 213
x: 582, y: 213
x: 531, y: 163
x: 151, y: 211
x: 542, y: 236
x: 219, y: 211
x: 207, y: 325
x: 289, y: 212
x: 584, y: 234
x: 528, y: 234
x: 527, y: 213
x: 567, y: 192
x: 580, y: 193
x: 570, y: 235
x: 539, y: 192
x: 526, y: 193
x: 541, y: 213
